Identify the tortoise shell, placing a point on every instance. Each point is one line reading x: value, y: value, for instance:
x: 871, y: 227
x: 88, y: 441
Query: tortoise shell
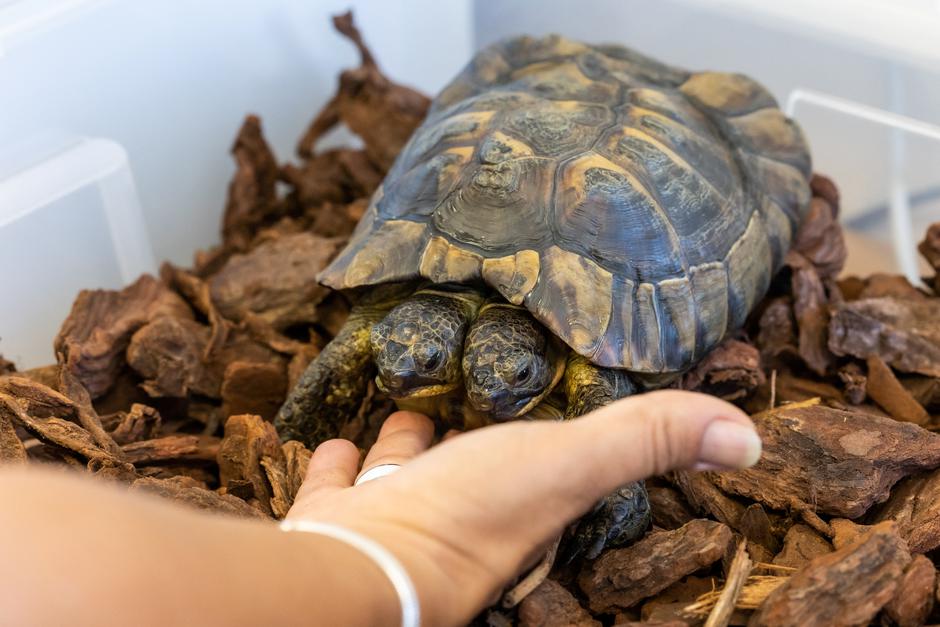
x: 637, y: 210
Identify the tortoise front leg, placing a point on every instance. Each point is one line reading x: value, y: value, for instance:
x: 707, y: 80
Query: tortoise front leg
x: 624, y: 515
x: 333, y: 386
x: 589, y: 387
x: 618, y: 518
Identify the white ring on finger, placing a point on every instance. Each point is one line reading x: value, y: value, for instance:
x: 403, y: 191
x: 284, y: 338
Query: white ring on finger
x: 377, y: 472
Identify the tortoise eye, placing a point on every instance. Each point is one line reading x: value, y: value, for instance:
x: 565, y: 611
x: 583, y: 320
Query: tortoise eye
x: 522, y: 375
x: 429, y: 360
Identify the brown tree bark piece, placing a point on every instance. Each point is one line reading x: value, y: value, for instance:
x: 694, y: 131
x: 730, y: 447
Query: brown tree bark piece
x: 738, y: 572
x: 903, y: 332
x: 362, y: 178
x: 891, y: 285
x: 925, y: 390
x: 327, y: 185
x: 37, y: 399
x: 777, y: 328
x: 93, y: 338
x: 168, y: 354
x: 706, y: 498
x: 820, y: 240
x: 46, y: 375
x: 668, y: 507
x: 332, y: 219
x: 281, y: 497
x: 332, y: 313
x: 811, y: 310
x: 794, y: 389
x: 758, y: 553
x: 56, y: 431
x: 841, y: 462
x: 181, y: 491
x: 914, y: 505
x: 253, y: 388
x: 756, y: 526
x: 198, y: 294
x: 241, y: 347
x: 620, y: 578
x: 263, y: 333
x: 855, y: 383
x: 320, y: 181
x: 72, y: 388
x: 176, y: 447
x: 885, y: 389
x: 142, y: 422
x: 802, y: 544
x: 669, y: 605
x: 930, y: 249
x: 125, y: 392
x: 198, y: 475
x: 297, y: 457
x: 276, y: 280
x: 914, y: 599
x: 846, y: 531
x: 12, y: 450
x: 382, y: 113
x: 824, y: 187
x: 731, y: 371
x: 851, y: 287
x: 551, y: 605
x: 247, y: 440
x: 846, y: 587
x: 251, y: 194
x: 41, y: 403
x: 112, y: 470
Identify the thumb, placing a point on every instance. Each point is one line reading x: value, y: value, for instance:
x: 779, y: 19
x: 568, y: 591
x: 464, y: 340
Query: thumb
x: 547, y: 473
x: 652, y: 433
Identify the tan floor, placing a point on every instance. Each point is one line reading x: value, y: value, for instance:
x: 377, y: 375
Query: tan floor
x: 868, y: 256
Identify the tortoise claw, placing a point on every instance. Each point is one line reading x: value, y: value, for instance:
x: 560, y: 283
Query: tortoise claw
x: 618, y: 519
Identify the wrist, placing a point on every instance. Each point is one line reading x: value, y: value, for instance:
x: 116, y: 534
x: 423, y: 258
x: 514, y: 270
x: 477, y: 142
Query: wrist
x: 349, y: 574
x: 451, y: 585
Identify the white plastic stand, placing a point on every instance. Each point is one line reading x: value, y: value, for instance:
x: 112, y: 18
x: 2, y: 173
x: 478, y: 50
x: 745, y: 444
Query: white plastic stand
x: 900, y: 125
x: 68, y: 221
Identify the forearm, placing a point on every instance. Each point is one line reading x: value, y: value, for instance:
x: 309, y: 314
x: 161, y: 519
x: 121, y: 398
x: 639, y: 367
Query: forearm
x: 82, y: 554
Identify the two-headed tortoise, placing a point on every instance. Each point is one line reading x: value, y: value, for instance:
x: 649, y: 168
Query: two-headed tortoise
x: 559, y: 191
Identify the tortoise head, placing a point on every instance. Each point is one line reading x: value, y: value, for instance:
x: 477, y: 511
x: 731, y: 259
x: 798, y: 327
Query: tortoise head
x: 510, y: 362
x: 418, y: 345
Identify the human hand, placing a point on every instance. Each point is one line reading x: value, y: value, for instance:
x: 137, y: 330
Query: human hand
x: 467, y: 516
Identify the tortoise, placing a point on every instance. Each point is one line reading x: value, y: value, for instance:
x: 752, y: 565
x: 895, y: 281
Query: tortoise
x: 566, y: 211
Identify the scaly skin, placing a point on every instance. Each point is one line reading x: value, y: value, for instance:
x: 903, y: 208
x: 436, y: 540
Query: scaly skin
x: 510, y: 363
x: 418, y: 346
x: 622, y: 516
x: 332, y: 388
x: 589, y: 387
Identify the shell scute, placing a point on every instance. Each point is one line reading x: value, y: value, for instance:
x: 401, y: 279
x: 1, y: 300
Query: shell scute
x: 638, y: 210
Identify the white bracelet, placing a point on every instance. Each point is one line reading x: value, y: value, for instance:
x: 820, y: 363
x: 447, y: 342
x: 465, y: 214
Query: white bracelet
x: 396, y: 573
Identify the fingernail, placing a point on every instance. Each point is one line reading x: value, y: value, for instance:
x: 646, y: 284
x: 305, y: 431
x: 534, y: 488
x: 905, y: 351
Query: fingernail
x: 730, y: 445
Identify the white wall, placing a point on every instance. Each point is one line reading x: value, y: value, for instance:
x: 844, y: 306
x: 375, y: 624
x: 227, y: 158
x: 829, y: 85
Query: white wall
x: 171, y: 81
